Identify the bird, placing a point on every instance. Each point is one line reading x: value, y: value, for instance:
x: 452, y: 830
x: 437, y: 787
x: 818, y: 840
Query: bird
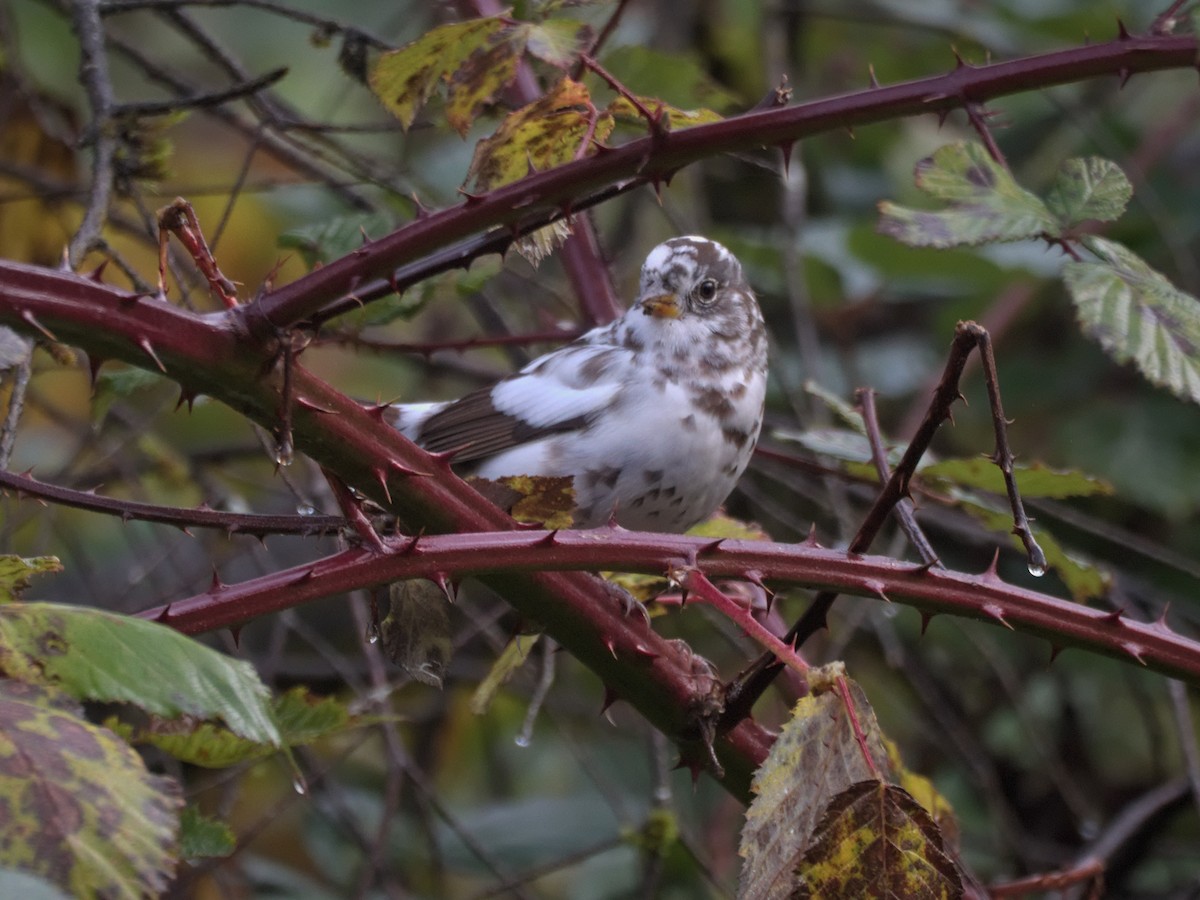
x: 654, y: 415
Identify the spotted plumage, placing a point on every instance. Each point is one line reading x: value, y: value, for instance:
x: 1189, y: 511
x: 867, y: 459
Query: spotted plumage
x: 654, y: 415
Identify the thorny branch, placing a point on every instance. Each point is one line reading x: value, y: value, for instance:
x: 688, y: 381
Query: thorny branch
x: 745, y: 690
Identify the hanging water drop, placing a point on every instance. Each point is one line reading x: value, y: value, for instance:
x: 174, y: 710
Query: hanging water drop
x: 373, y: 633
x: 306, y: 509
x: 522, y: 739
x: 299, y: 785
x: 1037, y: 570
x: 285, y: 454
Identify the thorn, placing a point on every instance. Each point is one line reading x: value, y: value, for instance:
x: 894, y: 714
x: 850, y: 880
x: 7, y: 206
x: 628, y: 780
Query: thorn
x: 656, y: 183
x: 1122, y: 32
x: 876, y: 587
x: 710, y: 547
x: 959, y: 62
x: 1137, y: 651
x: 376, y: 410
x: 785, y: 150
x: 401, y: 469
x: 645, y: 652
x: 217, y: 585
x: 548, y: 540
x: 926, y: 618
x: 610, y: 697
x: 448, y: 588
x: 97, y: 274
x: 872, y: 81
x: 165, y: 615
x: 611, y: 645
x: 411, y: 546
x: 755, y: 577
x: 185, y: 396
x: 850, y: 132
x: 1123, y: 75
x: 381, y: 477
x: 471, y: 199
x: 31, y: 319
x: 1113, y: 617
x: 446, y: 457
x: 311, y: 406
x: 942, y: 115
x: 235, y: 631
x: 811, y: 540
x: 996, y: 613
x: 924, y: 568
x: 94, y: 364
x: 1055, y: 649
x: 422, y: 209
x: 1161, y: 621
x: 145, y: 344
x: 992, y: 572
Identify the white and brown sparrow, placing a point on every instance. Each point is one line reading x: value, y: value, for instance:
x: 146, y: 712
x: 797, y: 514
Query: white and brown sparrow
x: 655, y: 415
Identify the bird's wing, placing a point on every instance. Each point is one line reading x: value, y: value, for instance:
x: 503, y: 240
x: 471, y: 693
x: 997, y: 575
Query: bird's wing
x: 559, y: 392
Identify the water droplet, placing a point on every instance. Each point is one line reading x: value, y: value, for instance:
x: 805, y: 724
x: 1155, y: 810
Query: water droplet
x: 306, y: 509
x: 299, y: 785
x: 284, y: 453
x: 1037, y: 571
x: 373, y: 633
x: 523, y: 739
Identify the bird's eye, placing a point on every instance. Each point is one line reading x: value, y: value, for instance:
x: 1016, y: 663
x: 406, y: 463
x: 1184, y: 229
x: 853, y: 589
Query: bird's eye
x: 706, y: 291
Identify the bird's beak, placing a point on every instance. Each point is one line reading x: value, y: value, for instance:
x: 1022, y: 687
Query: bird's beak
x: 663, y: 306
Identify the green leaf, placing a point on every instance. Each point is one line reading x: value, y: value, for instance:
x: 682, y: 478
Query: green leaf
x: 1036, y: 480
x: 849, y: 415
x: 201, y: 837
x: 16, y: 573
x: 80, y: 809
x: 1138, y: 316
x: 330, y: 239
x: 986, y: 204
x: 96, y: 655
x: 1088, y: 188
x: 301, y: 716
x: 677, y: 79
x: 474, y: 60
x: 502, y: 670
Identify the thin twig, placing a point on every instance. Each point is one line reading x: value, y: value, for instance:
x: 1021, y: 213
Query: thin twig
x: 93, y: 75
x: 904, y: 509
x: 1185, y: 725
x: 234, y: 523
x: 16, y: 400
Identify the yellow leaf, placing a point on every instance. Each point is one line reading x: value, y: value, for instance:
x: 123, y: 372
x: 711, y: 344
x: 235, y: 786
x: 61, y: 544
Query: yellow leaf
x: 405, y: 79
x: 540, y: 135
x: 676, y: 118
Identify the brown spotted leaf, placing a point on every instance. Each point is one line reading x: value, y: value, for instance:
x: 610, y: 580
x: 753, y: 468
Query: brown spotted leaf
x: 876, y: 841
x: 816, y: 757
x: 540, y: 135
x: 472, y: 60
x: 77, y: 806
